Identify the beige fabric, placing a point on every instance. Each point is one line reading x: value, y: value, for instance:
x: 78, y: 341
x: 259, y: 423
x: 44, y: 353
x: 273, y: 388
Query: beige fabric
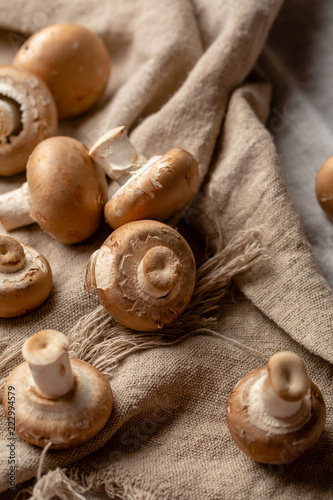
x: 178, y: 80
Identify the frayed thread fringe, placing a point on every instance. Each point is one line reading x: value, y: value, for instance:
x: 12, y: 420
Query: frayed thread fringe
x: 98, y: 339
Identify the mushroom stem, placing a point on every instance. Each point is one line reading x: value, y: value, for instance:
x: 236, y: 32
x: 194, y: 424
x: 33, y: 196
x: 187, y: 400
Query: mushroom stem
x: 15, y: 208
x: 12, y: 255
x: 46, y: 353
x: 159, y: 271
x: 115, y: 153
x: 286, y: 384
x: 10, y: 117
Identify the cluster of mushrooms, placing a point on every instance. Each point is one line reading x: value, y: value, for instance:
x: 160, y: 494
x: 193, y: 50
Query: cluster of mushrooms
x: 144, y: 272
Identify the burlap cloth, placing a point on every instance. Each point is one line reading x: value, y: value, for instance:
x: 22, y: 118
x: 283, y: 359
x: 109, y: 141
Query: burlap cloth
x: 183, y: 77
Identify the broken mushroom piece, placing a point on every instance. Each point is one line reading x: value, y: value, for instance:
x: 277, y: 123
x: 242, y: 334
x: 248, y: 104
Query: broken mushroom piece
x: 27, y: 116
x: 65, y: 192
x: 25, y: 278
x: 324, y: 187
x: 275, y: 414
x: 144, y: 274
x: 72, y: 60
x: 153, y: 189
x: 58, y: 399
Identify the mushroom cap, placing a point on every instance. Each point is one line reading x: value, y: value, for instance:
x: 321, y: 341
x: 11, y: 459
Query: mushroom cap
x: 272, y: 446
x: 67, y: 421
x: 38, y: 112
x: 156, y: 191
x: 67, y: 189
x: 72, y: 60
x: 324, y: 187
x: 114, y: 272
x: 27, y: 288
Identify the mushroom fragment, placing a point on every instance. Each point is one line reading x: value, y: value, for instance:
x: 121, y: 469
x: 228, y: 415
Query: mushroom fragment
x: 25, y: 278
x: 65, y: 192
x: 152, y: 189
x: 144, y: 274
x: 72, y: 60
x: 27, y: 116
x: 275, y: 414
x: 324, y: 187
x: 58, y: 399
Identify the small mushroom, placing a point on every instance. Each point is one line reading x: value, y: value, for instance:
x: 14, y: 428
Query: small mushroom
x: 25, y: 278
x: 72, y: 60
x: 152, y: 189
x: 58, y: 399
x: 65, y: 192
x: 144, y: 274
x: 275, y: 414
x: 27, y: 116
x: 324, y: 187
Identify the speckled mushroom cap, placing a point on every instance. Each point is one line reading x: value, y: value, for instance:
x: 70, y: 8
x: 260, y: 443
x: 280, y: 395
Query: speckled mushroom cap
x: 25, y: 278
x: 156, y: 191
x: 324, y: 187
x: 72, y: 60
x: 144, y: 274
x: 67, y: 189
x: 267, y: 438
x: 66, y: 421
x: 37, y: 115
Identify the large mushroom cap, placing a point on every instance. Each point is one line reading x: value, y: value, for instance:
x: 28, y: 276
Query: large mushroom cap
x: 144, y: 274
x: 72, y: 60
x: 37, y: 115
x: 67, y: 189
x: 67, y: 421
x: 156, y: 191
x: 25, y: 278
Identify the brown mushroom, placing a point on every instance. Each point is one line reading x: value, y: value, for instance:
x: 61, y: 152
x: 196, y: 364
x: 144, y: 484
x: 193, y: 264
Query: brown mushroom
x: 27, y: 116
x: 57, y: 399
x: 324, y: 187
x: 65, y: 192
x: 275, y: 414
x: 72, y: 60
x: 153, y: 189
x: 25, y: 278
x: 144, y: 274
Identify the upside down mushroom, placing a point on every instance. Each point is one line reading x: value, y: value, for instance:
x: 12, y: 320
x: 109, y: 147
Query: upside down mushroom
x: 144, y: 274
x: 72, y: 60
x: 28, y: 115
x: 58, y: 399
x: 153, y: 189
x: 25, y: 278
x: 275, y: 414
x: 65, y: 192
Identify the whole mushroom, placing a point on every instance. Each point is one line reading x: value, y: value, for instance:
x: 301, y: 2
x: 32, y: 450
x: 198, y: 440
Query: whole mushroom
x: 144, y: 274
x: 153, y: 189
x: 65, y: 192
x: 58, y: 399
x: 72, y: 60
x: 275, y: 414
x: 25, y: 278
x: 27, y: 116
x: 324, y: 187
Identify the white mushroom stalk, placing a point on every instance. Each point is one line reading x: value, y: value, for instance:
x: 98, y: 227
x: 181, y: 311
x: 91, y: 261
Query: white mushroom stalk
x: 159, y: 271
x: 10, y: 118
x: 118, y: 157
x: 15, y: 208
x: 46, y: 353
